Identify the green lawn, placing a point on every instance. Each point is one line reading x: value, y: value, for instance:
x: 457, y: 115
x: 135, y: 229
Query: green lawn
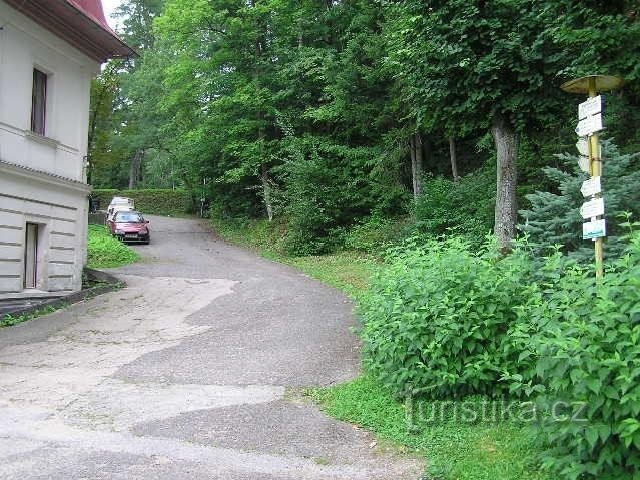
x: 454, y: 450
x: 105, y: 251
x: 349, y: 272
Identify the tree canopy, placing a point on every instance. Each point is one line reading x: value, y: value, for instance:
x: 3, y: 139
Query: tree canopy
x: 324, y: 112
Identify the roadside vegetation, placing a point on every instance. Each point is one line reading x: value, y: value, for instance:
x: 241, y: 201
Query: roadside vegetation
x: 105, y: 251
x: 453, y: 449
x: 487, y: 449
x: 420, y: 156
x: 489, y: 366
x: 9, y: 320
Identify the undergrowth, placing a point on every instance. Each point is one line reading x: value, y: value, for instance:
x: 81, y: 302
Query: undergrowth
x: 105, y: 251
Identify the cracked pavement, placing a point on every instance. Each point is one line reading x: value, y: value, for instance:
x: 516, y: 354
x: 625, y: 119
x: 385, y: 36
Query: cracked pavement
x: 184, y: 374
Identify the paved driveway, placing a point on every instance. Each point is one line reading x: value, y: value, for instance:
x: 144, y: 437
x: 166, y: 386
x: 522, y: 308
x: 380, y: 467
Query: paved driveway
x: 186, y: 374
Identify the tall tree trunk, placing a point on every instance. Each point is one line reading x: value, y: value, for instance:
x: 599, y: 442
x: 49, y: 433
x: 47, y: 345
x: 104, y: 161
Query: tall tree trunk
x: 134, y: 169
x: 266, y: 192
x: 454, y: 159
x: 93, y: 123
x: 506, y: 142
x: 417, y: 173
x: 412, y: 152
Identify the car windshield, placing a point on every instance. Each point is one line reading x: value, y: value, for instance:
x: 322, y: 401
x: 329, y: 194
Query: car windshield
x: 129, y: 217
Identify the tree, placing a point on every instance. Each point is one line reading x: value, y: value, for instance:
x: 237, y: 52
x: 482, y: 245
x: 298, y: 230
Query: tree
x: 492, y: 65
x: 104, y: 91
x: 554, y: 218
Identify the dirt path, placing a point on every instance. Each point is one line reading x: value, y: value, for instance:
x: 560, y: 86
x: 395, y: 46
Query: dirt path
x: 184, y: 374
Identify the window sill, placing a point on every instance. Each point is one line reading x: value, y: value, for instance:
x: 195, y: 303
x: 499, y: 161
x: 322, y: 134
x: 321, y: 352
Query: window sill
x: 36, y: 137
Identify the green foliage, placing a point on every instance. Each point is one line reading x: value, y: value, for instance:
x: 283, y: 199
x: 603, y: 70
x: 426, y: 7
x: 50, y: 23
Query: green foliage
x: 554, y: 218
x: 375, y: 233
x: 105, y: 251
x: 258, y: 234
x: 436, y: 318
x: 462, y: 208
x: 453, y: 450
x: 9, y: 320
x: 261, y: 105
x: 153, y: 201
x: 464, y: 63
x: 350, y: 271
x: 327, y: 187
x: 587, y: 358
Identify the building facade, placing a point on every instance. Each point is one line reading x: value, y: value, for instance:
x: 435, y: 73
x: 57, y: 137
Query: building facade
x: 49, y: 52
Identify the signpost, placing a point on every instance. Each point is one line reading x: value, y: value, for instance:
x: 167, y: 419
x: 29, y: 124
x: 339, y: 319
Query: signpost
x: 591, y: 187
x: 592, y: 208
x: 589, y: 124
x: 594, y: 229
x: 592, y: 106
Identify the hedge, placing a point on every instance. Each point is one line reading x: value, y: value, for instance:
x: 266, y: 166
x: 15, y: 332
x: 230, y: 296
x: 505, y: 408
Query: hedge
x: 152, y: 201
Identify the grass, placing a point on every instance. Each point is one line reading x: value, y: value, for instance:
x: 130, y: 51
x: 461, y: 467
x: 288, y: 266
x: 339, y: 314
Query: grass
x: 10, y: 320
x: 454, y: 450
x: 349, y: 272
x: 346, y: 271
x: 105, y: 251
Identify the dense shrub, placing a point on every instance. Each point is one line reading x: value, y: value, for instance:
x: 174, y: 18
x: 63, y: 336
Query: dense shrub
x: 105, y: 251
x: 326, y: 188
x: 443, y: 321
x: 151, y: 201
x: 465, y: 207
x: 373, y: 234
x: 436, y: 319
x: 587, y: 353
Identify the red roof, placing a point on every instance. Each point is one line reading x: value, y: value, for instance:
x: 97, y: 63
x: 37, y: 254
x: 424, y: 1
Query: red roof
x: 92, y: 9
x: 80, y: 22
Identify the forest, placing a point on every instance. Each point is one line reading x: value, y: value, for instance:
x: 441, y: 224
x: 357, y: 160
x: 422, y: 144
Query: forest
x: 434, y: 135
x: 324, y: 114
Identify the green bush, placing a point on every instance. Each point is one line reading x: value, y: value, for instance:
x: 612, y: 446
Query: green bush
x: 260, y: 234
x: 326, y: 188
x: 587, y: 353
x: 373, y: 234
x: 437, y: 317
x: 151, y: 201
x: 464, y: 208
x: 105, y: 251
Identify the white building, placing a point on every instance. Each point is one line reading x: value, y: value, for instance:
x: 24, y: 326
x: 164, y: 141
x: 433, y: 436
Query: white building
x: 49, y: 52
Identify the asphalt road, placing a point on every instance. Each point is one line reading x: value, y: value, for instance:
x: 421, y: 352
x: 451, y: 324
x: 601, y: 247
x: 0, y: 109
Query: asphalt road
x: 190, y: 372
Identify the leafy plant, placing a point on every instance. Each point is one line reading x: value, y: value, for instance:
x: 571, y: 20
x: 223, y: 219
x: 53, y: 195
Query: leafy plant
x: 105, y: 251
x: 9, y: 320
x: 436, y: 319
x: 587, y: 351
x: 462, y: 208
x: 374, y: 234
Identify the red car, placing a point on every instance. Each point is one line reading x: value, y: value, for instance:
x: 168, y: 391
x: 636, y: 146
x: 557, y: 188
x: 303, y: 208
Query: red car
x: 130, y: 226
